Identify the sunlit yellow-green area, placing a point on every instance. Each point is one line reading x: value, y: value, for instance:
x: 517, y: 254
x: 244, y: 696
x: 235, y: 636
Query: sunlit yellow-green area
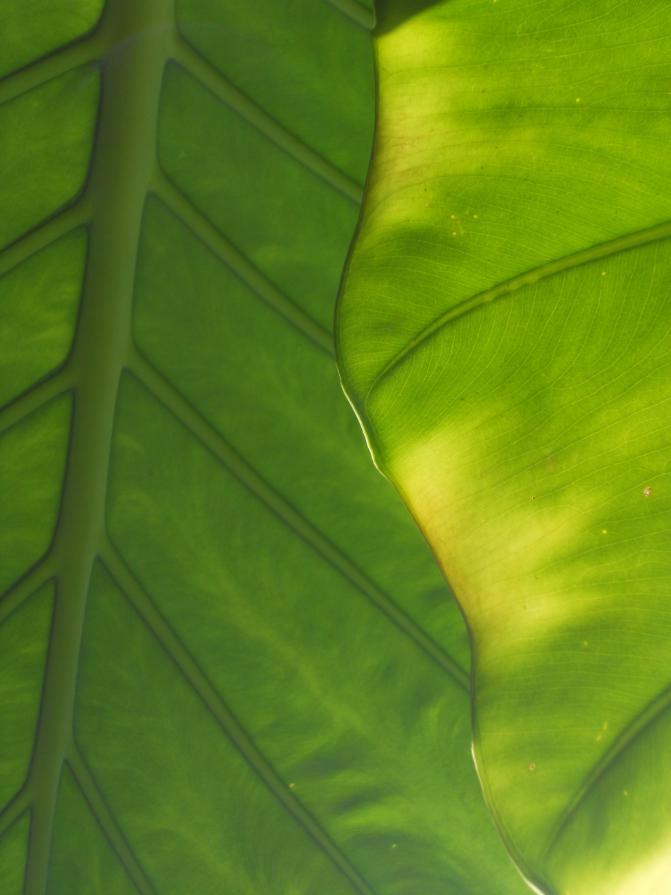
x: 504, y: 334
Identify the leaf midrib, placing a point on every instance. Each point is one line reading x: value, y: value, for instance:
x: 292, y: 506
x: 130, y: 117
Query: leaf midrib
x: 137, y: 44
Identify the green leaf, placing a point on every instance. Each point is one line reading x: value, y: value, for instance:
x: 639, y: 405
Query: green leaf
x: 228, y: 662
x: 504, y: 335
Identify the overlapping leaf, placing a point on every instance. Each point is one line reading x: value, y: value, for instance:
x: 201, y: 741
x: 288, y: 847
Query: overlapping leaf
x: 504, y: 334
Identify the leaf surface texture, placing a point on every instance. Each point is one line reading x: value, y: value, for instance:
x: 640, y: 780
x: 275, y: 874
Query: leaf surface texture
x: 227, y: 661
x: 504, y: 334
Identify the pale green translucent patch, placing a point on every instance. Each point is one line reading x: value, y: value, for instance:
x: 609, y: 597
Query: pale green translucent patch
x: 38, y: 309
x: 24, y: 637
x: 82, y: 860
x: 32, y: 459
x: 13, y: 852
x: 44, y: 153
x: 443, y: 479
x: 32, y: 28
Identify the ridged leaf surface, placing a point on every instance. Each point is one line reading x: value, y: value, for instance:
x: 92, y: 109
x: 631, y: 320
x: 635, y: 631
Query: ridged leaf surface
x: 227, y: 661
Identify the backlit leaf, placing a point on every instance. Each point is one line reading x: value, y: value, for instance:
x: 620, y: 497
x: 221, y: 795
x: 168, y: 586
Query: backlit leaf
x: 504, y: 334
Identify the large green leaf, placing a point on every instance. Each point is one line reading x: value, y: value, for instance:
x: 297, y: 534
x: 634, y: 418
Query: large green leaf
x: 228, y: 663
x: 504, y: 335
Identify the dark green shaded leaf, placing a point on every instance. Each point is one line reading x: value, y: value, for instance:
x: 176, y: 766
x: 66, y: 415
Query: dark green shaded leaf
x: 255, y: 678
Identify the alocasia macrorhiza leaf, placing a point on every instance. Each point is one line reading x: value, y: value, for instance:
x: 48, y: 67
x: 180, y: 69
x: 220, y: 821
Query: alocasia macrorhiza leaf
x: 504, y: 333
x: 228, y: 662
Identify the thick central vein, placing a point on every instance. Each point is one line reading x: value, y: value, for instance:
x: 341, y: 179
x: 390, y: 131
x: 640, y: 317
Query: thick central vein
x: 137, y: 35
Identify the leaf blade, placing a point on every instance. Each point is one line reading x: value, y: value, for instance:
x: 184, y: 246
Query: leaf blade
x: 522, y: 414
x: 143, y: 677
